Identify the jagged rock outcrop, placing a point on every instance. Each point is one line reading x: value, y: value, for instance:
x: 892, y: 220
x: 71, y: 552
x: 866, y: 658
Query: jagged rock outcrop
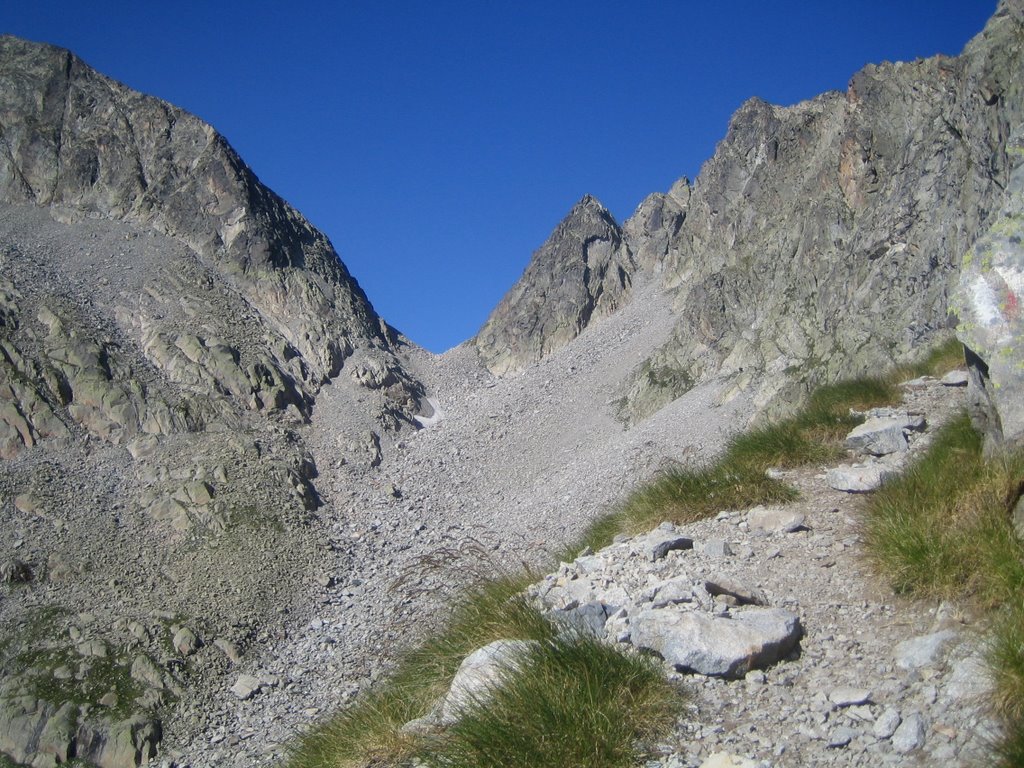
x: 580, y: 274
x: 824, y: 239
x: 991, y: 326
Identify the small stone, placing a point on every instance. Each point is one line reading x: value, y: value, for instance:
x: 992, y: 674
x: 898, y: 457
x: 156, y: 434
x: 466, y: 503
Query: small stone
x: 95, y: 648
x: 954, y: 379
x: 660, y: 545
x: 922, y: 382
x: 744, y: 595
x: 716, y: 548
x: 185, y: 641
x: 886, y: 724
x: 246, y: 687
x: 847, y: 696
x: 109, y: 699
x: 325, y: 580
x: 841, y: 737
x: 774, y: 520
x: 62, y: 673
x: 923, y: 651
x: 145, y: 671
x: 878, y: 437
x: 726, y: 760
x: 858, y: 479
x: 910, y: 735
x: 228, y: 648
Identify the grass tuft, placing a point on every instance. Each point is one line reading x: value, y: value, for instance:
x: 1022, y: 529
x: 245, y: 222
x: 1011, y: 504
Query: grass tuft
x: 578, y: 703
x: 737, y: 479
x: 931, y: 528
x: 369, y: 732
x: 942, y: 358
x: 684, y: 495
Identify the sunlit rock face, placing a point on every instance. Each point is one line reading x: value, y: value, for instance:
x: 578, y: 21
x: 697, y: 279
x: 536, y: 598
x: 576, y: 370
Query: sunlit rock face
x: 989, y: 302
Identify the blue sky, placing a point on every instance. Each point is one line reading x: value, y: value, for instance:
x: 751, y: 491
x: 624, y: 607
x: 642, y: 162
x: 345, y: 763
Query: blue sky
x: 438, y: 143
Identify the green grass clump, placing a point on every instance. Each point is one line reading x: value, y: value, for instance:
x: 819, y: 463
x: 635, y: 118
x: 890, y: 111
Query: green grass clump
x: 683, y: 495
x: 369, y: 732
x: 737, y: 479
x: 944, y: 529
x: 940, y: 359
x: 575, y: 703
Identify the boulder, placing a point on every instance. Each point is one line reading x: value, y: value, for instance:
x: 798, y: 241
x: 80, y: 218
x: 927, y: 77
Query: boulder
x: 859, y: 478
x: 925, y: 650
x: 477, y: 676
x: 721, y: 646
x: 774, y: 520
x: 879, y: 437
x: 988, y: 302
x: 246, y: 686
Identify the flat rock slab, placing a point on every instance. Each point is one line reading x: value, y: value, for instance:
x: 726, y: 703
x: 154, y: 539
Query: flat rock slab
x: 924, y: 650
x: 954, y: 379
x: 846, y: 696
x: 744, y: 595
x: 658, y: 543
x: 878, y: 436
x: 727, y: 760
x: 716, y: 645
x: 246, y: 687
x: 775, y: 520
x: 858, y: 479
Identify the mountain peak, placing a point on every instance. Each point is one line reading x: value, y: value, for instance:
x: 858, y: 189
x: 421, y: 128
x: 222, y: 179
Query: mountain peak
x: 583, y: 271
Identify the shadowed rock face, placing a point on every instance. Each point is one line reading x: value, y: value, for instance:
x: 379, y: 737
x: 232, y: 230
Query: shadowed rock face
x: 580, y: 274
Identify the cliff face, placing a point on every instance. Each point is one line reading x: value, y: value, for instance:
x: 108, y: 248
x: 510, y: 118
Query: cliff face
x: 167, y: 326
x: 821, y: 240
x: 84, y: 146
x: 824, y: 239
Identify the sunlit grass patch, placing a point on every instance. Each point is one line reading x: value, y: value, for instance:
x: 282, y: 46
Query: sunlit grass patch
x: 370, y: 731
x: 573, y: 703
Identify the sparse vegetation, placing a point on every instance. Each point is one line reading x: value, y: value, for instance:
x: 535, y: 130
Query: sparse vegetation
x: 737, y: 479
x: 582, y: 704
x: 944, y: 529
x: 938, y: 360
x: 370, y: 730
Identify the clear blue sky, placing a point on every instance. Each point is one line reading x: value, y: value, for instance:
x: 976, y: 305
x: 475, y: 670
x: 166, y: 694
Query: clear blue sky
x: 438, y: 143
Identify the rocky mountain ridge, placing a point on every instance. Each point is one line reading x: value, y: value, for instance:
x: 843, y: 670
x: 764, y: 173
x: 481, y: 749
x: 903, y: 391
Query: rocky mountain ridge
x: 823, y: 239
x: 218, y: 511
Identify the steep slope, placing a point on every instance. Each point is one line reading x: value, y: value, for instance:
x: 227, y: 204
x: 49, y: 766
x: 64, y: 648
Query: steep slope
x: 824, y: 239
x: 167, y: 324
x: 581, y: 273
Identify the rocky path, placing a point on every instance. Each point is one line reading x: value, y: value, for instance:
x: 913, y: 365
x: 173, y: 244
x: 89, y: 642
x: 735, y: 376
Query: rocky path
x: 876, y: 680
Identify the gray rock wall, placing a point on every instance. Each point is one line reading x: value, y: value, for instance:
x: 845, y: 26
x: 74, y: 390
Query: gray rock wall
x: 580, y: 274
x: 83, y: 145
x: 823, y: 240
